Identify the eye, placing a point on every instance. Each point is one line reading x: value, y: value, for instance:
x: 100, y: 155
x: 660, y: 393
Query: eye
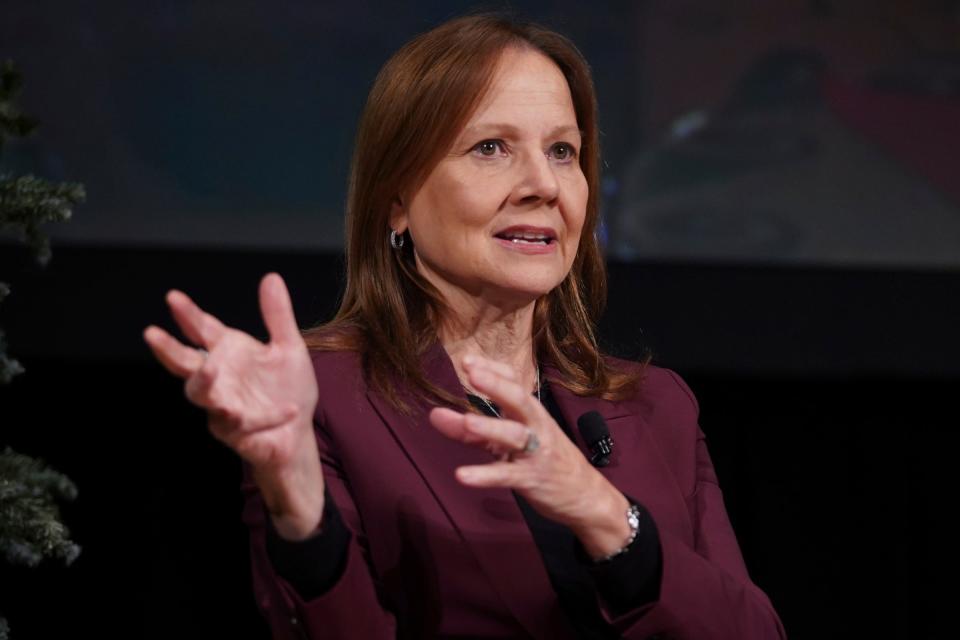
x: 488, y: 148
x: 563, y: 151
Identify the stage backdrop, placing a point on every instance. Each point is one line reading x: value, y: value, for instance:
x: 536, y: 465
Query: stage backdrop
x: 798, y: 132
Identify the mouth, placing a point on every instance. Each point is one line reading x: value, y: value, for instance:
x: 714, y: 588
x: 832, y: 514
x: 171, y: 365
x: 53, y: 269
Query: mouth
x: 535, y: 236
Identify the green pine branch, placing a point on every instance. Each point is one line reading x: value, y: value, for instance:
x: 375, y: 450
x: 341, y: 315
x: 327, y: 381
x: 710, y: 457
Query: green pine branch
x: 26, y: 202
x: 30, y: 527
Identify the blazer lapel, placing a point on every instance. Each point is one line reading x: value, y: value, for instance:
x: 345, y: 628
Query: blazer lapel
x: 489, y: 521
x: 573, y: 406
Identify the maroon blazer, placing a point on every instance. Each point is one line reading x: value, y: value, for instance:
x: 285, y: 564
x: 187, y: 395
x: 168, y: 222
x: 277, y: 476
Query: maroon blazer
x: 432, y: 558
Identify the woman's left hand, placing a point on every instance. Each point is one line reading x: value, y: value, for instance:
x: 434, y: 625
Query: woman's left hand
x: 556, y: 479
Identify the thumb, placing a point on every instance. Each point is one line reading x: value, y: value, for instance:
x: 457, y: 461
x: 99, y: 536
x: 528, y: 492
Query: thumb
x: 277, y: 310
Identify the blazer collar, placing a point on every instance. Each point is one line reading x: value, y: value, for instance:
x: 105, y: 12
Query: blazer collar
x: 488, y: 520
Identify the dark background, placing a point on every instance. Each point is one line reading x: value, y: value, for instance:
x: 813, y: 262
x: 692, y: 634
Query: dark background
x: 783, y: 231
x: 827, y: 397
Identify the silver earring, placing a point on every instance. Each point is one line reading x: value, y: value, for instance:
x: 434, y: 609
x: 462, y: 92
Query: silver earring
x: 396, y: 239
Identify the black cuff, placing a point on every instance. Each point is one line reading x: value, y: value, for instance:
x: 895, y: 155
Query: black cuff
x: 314, y: 565
x: 631, y: 579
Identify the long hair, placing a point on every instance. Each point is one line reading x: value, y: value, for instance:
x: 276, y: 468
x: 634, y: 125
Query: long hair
x: 420, y: 101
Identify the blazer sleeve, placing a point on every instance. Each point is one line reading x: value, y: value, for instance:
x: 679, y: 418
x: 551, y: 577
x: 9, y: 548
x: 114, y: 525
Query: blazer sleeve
x: 705, y: 591
x: 351, y: 607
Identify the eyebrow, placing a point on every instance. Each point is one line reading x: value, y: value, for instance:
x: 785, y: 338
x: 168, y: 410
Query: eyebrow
x: 509, y: 128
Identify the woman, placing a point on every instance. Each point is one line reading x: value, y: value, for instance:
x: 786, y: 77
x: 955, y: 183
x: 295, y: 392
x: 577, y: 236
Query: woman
x: 412, y: 466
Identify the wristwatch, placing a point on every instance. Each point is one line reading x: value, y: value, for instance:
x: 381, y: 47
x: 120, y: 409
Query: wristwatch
x: 633, y: 521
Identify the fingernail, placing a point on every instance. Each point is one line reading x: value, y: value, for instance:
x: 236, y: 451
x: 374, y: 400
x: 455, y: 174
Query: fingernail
x: 466, y: 475
x: 469, y: 360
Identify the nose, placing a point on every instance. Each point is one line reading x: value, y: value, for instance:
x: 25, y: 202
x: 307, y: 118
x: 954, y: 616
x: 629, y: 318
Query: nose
x: 536, y: 180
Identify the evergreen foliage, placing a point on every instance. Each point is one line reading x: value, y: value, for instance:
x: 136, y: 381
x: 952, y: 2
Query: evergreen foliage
x: 27, y: 202
x: 30, y: 527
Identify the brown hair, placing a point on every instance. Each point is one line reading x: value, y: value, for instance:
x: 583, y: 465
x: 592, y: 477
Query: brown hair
x: 419, y: 103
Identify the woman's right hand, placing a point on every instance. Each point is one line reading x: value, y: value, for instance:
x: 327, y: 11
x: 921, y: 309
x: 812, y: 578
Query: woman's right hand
x: 259, y: 398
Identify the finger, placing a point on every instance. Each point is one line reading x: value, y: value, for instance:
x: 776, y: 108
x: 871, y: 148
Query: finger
x: 471, y: 361
x: 496, y: 436
x: 513, y: 399
x: 453, y: 425
x: 504, y: 435
x: 199, y: 387
x: 277, y: 310
x: 200, y: 327
x: 176, y: 357
x: 495, y: 474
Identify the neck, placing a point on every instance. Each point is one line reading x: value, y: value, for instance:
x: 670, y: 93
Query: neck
x: 498, y: 334
x: 481, y: 321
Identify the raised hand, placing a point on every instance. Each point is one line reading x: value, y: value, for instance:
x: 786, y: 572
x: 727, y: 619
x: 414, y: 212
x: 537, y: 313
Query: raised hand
x: 260, y: 397
x: 555, y: 477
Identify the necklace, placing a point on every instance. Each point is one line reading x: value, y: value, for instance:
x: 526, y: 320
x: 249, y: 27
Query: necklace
x: 494, y: 409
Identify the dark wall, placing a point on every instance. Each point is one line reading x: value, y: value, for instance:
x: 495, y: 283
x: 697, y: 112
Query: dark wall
x: 797, y: 132
x: 825, y: 395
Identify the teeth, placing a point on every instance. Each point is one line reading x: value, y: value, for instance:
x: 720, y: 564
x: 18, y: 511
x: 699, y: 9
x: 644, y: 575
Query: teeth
x: 527, y: 237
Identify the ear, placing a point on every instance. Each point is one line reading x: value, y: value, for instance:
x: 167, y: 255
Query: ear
x: 398, y: 215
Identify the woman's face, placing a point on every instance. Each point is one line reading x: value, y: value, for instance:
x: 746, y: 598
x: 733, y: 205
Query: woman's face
x: 499, y: 218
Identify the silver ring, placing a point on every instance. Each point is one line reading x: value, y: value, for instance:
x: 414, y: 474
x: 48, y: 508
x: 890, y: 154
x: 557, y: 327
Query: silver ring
x: 532, y: 444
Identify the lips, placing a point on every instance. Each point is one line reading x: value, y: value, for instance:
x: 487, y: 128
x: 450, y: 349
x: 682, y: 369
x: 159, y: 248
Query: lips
x: 528, y: 235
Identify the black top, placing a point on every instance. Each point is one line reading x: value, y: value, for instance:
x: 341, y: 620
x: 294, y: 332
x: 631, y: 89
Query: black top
x: 628, y: 581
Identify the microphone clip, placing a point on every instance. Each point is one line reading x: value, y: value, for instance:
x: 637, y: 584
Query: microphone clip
x: 600, y: 451
x: 595, y: 433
